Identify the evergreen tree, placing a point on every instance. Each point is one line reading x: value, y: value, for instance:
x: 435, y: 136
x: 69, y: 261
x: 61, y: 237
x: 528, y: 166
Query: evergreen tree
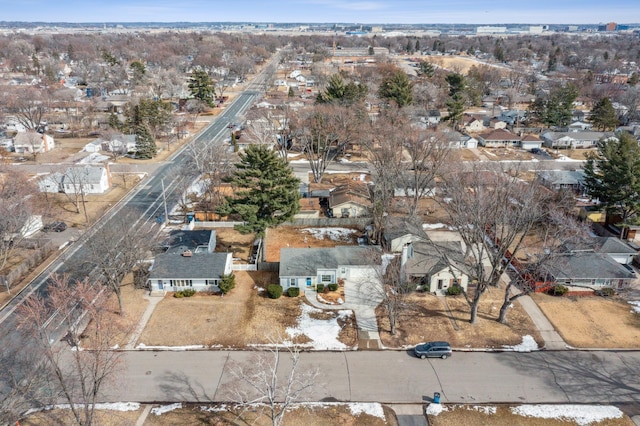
x: 227, y: 283
x: 612, y: 175
x: 417, y: 46
x: 145, y: 145
x: 426, y: 69
x: 603, y: 116
x: 556, y: 109
x: 455, y: 105
x: 201, y: 87
x: 409, y: 47
x: 397, y: 87
x: 267, y: 191
x: 340, y: 92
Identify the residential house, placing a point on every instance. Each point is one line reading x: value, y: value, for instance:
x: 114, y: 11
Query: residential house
x: 433, y: 117
x: 93, y: 146
x: 32, y: 141
x: 530, y: 142
x: 588, y: 269
x: 399, y: 231
x: 617, y: 249
x: 562, y: 179
x: 122, y: 144
x: 51, y: 182
x: 306, y: 267
x: 494, y: 123
x: 472, y: 123
x: 513, y: 117
x: 200, y: 271
x: 89, y: 179
x: 498, y: 139
x: 460, y: 140
x: 309, y: 208
x: 435, y: 265
x: 189, y: 261
x: 578, y: 126
x: 573, y: 140
x: 349, y: 201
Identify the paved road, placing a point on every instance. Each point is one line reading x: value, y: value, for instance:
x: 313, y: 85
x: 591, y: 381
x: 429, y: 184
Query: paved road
x: 146, y: 202
x: 398, y: 377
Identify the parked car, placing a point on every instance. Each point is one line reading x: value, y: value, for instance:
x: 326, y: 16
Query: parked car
x: 55, y: 227
x: 433, y: 350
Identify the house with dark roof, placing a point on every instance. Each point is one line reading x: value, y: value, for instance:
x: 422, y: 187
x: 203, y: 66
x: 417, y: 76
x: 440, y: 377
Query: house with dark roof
x: 435, y: 265
x: 189, y: 261
x: 200, y: 271
x: 530, y: 142
x: 616, y: 248
x: 349, y: 201
x: 562, y: 179
x: 588, y: 269
x: 306, y: 267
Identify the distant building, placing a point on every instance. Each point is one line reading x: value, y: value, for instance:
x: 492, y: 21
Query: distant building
x: 611, y: 26
x: 491, y: 30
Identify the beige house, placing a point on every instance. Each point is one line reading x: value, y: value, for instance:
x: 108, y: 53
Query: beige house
x: 435, y: 266
x: 346, y: 202
x: 309, y: 208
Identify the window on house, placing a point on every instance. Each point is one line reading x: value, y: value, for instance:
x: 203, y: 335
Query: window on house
x: 325, y: 278
x: 292, y: 282
x: 440, y: 284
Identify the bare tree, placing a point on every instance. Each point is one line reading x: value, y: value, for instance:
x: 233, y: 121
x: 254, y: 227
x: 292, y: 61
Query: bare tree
x: 324, y: 132
x: 73, y: 374
x: 116, y: 250
x: 76, y: 187
x: 28, y: 106
x: 428, y: 153
x: 481, y: 202
x: 16, y: 210
x: 267, y: 384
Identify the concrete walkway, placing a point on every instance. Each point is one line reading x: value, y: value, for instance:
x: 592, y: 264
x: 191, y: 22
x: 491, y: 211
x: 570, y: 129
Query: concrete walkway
x: 552, y: 340
x: 362, y: 300
x: 153, y: 302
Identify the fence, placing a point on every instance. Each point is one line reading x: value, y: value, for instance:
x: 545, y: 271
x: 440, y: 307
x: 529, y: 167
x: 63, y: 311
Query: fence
x: 326, y: 221
x: 217, y: 224
x: 269, y: 266
x: 244, y: 267
x: 28, y: 263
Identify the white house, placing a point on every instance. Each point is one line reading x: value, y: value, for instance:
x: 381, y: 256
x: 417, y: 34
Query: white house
x: 93, y: 146
x: 200, y: 271
x: 574, y: 139
x: 90, y: 179
x: 122, y: 144
x: 32, y: 141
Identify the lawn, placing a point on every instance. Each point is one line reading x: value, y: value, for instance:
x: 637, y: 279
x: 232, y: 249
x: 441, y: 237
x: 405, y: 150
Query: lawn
x: 243, y: 318
x: 592, y: 322
x: 427, y: 319
x: 502, y: 415
x: 230, y: 240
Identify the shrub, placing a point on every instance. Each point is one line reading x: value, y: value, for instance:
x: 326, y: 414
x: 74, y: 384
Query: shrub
x: 606, y: 292
x: 454, y: 290
x: 227, y: 283
x: 274, y: 291
x: 559, y: 290
x: 293, y: 291
x: 319, y: 288
x: 187, y: 292
x: 333, y: 287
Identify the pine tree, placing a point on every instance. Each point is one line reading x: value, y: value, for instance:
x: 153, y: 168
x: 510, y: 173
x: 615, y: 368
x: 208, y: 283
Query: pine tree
x: 397, y: 87
x: 267, y: 190
x: 603, y: 116
x: 340, y: 92
x: 455, y: 105
x: 611, y: 175
x: 201, y: 87
x: 145, y: 145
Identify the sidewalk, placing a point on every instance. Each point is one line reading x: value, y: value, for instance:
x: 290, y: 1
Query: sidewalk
x: 153, y: 302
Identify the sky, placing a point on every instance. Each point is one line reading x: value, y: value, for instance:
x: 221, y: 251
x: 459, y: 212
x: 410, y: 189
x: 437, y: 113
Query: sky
x: 349, y: 11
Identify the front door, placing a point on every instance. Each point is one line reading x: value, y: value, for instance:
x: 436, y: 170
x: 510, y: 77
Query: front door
x: 308, y: 281
x: 160, y: 285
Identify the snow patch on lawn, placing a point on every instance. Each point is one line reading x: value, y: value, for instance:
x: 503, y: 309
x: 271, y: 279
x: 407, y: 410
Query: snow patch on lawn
x: 166, y: 408
x: 435, y: 409
x: 565, y: 158
x: 112, y: 406
x: 322, y: 333
x: 581, y: 414
x: 373, y: 409
x: 635, y: 306
x: 171, y: 348
x: 528, y: 344
x: 334, y: 234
